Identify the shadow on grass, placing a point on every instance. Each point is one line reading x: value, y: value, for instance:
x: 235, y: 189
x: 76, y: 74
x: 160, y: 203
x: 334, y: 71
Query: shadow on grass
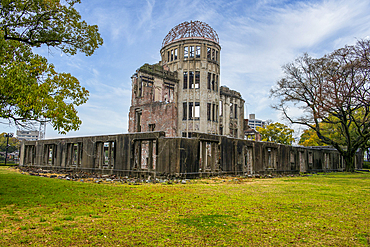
x: 8, y: 164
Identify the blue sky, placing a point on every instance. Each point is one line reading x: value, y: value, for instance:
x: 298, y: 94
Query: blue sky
x: 256, y: 38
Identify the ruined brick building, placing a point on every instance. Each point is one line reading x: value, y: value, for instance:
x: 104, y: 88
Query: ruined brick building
x: 182, y: 94
x: 189, y: 125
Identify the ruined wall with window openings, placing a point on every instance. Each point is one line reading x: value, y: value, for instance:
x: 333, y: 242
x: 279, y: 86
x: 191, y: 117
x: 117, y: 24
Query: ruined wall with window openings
x: 154, y: 100
x: 153, y: 154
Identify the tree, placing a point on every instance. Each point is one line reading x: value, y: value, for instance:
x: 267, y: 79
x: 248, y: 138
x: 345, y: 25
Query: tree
x: 30, y: 88
x: 13, y: 144
x: 332, y: 91
x: 310, y: 138
x: 276, y: 132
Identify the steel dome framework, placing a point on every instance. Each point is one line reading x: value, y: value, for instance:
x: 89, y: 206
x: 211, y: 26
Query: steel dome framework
x: 192, y: 29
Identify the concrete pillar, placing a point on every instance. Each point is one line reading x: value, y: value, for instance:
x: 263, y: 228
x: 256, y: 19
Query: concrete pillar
x: 150, y: 160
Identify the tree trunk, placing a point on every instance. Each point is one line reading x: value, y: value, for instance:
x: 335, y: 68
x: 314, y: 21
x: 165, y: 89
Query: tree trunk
x: 350, y: 162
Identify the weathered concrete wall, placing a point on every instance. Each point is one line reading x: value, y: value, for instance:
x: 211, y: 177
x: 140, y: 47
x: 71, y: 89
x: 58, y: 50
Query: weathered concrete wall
x: 152, y: 154
x: 232, y: 113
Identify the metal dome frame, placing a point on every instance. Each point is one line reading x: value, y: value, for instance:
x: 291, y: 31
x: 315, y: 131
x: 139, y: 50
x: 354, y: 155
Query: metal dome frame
x: 192, y: 29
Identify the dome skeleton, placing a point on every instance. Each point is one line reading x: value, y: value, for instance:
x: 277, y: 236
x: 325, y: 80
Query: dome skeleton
x: 192, y: 29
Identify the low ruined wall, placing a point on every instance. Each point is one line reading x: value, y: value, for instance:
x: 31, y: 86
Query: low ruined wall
x: 152, y: 154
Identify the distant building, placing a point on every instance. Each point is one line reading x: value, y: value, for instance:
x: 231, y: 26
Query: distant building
x: 253, y: 122
x: 28, y: 135
x: 252, y: 134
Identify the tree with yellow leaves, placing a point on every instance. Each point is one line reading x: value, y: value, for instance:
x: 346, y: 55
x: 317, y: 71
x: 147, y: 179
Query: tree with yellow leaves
x: 276, y: 132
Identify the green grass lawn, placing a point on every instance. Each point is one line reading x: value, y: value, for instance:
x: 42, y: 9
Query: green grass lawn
x: 8, y: 163
x: 320, y: 210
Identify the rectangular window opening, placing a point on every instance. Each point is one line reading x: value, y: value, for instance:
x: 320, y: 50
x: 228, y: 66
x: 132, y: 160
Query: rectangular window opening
x: 138, y: 121
x: 151, y: 127
x: 213, y: 82
x: 175, y: 54
x: 231, y: 110
x: 209, y: 111
x: 112, y: 155
x: 197, y: 110
x: 191, y: 79
x: 108, y: 154
x: 50, y: 150
x: 209, y: 80
x: 140, y: 87
x: 221, y: 111
x: 197, y: 79
x: 191, y: 51
x: 197, y: 52
x: 75, y: 154
x: 186, y: 52
x: 208, y: 53
x: 144, y: 162
x: 171, y: 55
x: 213, y: 112
x: 185, y: 81
x: 184, y: 111
x: 310, y: 159
x: 216, y: 113
x: 191, y: 112
x: 216, y: 83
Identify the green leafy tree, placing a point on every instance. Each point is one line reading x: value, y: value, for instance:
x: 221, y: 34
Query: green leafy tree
x: 310, y: 138
x: 334, y: 94
x: 13, y: 144
x: 30, y: 88
x: 276, y: 132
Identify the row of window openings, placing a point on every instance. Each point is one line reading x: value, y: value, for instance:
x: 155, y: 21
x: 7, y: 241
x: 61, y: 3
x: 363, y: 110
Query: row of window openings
x: 233, y: 110
x: 151, y: 127
x: 191, y: 52
x: 191, y: 110
x: 310, y: 157
x: 74, y: 153
x: 149, y: 82
x: 73, y: 157
x: 192, y: 81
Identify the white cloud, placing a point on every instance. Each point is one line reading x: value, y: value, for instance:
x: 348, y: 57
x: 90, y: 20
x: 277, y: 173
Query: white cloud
x: 257, y: 38
x: 255, y: 46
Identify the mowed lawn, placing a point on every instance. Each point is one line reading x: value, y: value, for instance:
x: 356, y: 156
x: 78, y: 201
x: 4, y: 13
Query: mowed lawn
x: 320, y: 210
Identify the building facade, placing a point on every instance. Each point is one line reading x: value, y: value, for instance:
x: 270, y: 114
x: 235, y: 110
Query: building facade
x: 182, y: 94
x: 253, y: 122
x: 28, y: 135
